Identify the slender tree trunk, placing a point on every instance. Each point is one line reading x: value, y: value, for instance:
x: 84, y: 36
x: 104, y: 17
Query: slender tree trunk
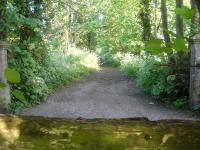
x: 155, y: 17
x: 179, y: 20
x: 145, y: 19
x: 69, y: 24
x: 165, y: 23
x: 179, y: 29
x: 3, y: 30
x: 198, y: 5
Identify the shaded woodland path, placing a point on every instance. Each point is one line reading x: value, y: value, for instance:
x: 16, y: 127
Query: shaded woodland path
x: 104, y: 94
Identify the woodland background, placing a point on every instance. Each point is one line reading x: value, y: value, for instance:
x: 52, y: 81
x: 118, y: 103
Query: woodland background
x: 54, y: 42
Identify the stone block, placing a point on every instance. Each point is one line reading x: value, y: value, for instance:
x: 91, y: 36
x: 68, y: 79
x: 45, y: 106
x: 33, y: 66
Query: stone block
x: 4, y: 93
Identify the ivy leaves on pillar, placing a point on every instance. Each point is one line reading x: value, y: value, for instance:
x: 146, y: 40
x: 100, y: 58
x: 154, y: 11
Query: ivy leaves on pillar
x: 13, y: 77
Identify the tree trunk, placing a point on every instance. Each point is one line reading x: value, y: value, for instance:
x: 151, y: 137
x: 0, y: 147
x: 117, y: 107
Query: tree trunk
x: 179, y: 20
x: 198, y: 5
x: 145, y: 19
x: 179, y: 29
x: 155, y: 18
x: 165, y: 23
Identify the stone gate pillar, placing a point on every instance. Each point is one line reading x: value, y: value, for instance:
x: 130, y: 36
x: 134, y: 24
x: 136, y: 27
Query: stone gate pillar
x: 4, y: 93
x: 195, y: 70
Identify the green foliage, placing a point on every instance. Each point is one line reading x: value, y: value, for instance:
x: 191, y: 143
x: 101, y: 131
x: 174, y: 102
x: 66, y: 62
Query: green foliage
x: 38, y: 81
x: 109, y: 59
x: 130, y: 65
x: 181, y: 103
x: 150, y: 77
x: 163, y: 82
x: 42, y: 32
x: 155, y: 46
x: 12, y: 75
x: 197, y: 107
x: 179, y: 44
x: 185, y: 12
x: 37, y: 32
x: 19, y: 95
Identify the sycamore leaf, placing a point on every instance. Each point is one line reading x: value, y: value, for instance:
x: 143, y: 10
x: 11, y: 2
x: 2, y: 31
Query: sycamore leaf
x: 2, y: 85
x: 12, y: 75
x: 185, y: 12
x: 155, y: 46
x: 179, y: 44
x: 19, y: 95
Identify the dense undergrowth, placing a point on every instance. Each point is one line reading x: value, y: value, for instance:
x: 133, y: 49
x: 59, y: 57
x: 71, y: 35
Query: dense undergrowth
x: 168, y: 84
x: 38, y: 81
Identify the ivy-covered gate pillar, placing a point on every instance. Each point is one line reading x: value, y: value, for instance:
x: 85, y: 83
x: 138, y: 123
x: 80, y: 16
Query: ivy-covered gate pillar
x: 195, y: 70
x: 4, y: 92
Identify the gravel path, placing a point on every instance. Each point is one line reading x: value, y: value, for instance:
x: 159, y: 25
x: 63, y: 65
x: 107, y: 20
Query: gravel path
x: 105, y: 94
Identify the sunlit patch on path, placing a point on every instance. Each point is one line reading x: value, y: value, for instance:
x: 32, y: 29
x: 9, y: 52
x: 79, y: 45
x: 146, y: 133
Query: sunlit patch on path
x: 105, y: 94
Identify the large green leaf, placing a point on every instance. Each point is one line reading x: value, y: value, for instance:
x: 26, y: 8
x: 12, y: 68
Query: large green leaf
x: 19, y: 95
x: 179, y: 44
x: 2, y: 85
x: 12, y: 75
x: 185, y: 12
x: 155, y: 46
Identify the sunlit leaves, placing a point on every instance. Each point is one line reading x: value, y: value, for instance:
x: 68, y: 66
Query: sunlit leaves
x: 171, y: 78
x: 185, y: 12
x: 31, y: 46
x: 12, y: 75
x: 2, y: 85
x: 19, y: 95
x: 157, y: 46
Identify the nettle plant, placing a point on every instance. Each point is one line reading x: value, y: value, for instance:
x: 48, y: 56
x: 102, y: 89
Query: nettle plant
x: 13, y: 77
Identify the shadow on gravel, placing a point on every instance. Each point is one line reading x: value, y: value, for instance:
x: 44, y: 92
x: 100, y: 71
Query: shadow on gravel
x: 38, y: 133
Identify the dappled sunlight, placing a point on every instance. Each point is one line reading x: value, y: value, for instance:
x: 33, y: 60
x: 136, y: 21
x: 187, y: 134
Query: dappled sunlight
x: 9, y: 130
x: 39, y: 133
x: 74, y: 56
x: 91, y: 61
